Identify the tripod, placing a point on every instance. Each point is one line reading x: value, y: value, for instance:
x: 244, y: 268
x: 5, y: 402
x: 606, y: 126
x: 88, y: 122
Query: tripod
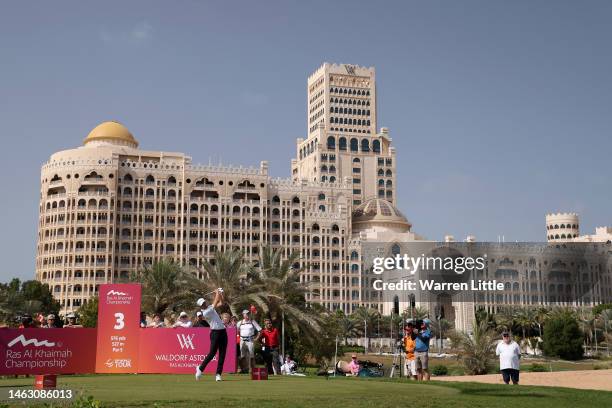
x: 397, y: 362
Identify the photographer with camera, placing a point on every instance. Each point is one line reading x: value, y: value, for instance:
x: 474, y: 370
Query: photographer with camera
x: 421, y: 349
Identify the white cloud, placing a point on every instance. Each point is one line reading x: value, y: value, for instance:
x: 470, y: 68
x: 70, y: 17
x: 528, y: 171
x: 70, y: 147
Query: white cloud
x: 138, y: 34
x: 141, y: 32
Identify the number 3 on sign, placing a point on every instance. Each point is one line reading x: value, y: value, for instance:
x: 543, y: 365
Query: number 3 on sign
x: 120, y: 322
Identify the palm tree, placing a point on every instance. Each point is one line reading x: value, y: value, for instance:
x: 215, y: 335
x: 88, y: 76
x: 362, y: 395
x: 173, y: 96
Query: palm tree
x: 504, y: 320
x: 416, y: 313
x: 278, y: 290
x: 541, y: 315
x: 229, y: 270
x: 367, y: 317
x: 347, y: 327
x: 166, y: 287
x: 605, y: 316
x: 476, y: 351
x: 587, y: 322
x: 525, y: 319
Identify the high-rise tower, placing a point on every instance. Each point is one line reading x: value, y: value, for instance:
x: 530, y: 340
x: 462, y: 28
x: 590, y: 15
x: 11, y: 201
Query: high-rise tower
x: 343, y: 142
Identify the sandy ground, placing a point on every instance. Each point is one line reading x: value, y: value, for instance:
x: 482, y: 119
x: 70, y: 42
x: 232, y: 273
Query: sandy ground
x: 591, y: 379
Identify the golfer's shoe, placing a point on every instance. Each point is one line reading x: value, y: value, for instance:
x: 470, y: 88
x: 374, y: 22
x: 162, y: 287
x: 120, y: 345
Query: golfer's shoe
x: 218, y: 377
x: 198, y: 373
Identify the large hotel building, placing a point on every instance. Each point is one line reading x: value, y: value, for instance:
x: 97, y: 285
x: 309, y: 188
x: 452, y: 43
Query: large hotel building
x: 108, y: 207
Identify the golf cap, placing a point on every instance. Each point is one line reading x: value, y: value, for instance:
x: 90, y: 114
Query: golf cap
x: 201, y: 301
x: 199, y: 314
x: 183, y: 314
x: 505, y: 333
x: 71, y: 316
x: 245, y: 311
x: 51, y: 316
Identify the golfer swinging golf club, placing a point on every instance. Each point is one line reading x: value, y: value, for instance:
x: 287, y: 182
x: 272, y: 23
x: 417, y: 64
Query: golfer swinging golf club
x: 218, y: 335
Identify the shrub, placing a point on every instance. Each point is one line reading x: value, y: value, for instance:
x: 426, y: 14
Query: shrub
x: 602, y: 366
x: 563, y: 337
x: 537, y: 368
x: 439, y: 370
x: 477, y: 351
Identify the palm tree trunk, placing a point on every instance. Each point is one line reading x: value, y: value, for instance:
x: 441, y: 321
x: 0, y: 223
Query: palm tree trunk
x: 283, y: 333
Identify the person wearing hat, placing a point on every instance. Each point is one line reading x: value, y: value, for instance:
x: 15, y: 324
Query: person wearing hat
x: 354, y: 365
x: 421, y: 350
x: 71, y: 322
x: 509, y: 354
x: 183, y: 321
x: 50, y: 322
x: 247, y: 329
x: 200, y: 321
x: 218, y: 334
x: 409, y: 346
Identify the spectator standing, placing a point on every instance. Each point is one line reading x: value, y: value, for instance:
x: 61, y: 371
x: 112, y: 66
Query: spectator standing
x: 421, y: 350
x: 50, y: 324
x: 247, y: 329
x: 509, y: 354
x: 157, y: 322
x: 270, y: 340
x: 183, y: 321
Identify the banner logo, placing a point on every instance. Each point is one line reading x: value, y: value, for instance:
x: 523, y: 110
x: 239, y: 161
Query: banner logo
x: 114, y: 292
x: 21, y: 339
x: 186, y: 341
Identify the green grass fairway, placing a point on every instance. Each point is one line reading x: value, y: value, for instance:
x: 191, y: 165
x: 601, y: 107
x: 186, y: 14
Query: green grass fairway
x: 239, y: 391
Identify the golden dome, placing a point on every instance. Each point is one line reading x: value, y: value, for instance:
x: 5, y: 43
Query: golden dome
x: 378, y: 212
x: 111, y: 132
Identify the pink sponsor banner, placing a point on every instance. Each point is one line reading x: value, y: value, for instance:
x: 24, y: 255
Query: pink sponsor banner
x: 47, y: 351
x: 118, y: 328
x: 179, y: 350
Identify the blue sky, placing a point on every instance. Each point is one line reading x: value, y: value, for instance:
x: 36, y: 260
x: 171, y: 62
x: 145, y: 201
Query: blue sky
x: 500, y: 111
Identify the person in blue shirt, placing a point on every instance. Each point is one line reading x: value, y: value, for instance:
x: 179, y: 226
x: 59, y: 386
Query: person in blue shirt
x: 421, y: 350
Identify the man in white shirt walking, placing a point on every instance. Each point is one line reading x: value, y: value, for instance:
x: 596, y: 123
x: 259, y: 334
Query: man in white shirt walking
x: 218, y: 335
x: 509, y: 354
x: 248, y: 329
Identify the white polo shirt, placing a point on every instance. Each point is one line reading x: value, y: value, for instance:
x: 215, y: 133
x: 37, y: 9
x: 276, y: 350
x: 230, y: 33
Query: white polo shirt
x: 509, y: 355
x: 212, y: 317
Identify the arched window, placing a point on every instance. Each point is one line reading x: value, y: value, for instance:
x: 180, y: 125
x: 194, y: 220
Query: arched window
x: 332, y: 179
x: 342, y: 143
x: 365, y: 145
x: 388, y: 173
x: 321, y: 196
x: 376, y: 146
x: 322, y: 208
x: 331, y: 143
x: 354, y: 145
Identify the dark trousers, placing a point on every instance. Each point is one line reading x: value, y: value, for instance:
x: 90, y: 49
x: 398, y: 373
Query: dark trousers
x: 218, y: 342
x: 510, y: 374
x: 270, y: 355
